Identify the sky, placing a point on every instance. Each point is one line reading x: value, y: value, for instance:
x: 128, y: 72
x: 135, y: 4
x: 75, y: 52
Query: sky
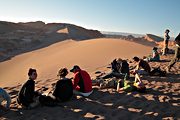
x: 132, y: 16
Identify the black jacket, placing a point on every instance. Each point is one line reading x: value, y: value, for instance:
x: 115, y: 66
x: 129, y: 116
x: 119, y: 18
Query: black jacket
x: 63, y: 90
x: 27, y: 93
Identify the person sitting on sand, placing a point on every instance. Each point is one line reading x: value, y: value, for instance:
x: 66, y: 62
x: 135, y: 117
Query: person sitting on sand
x: 155, y: 55
x: 27, y: 95
x: 120, y: 68
x: 82, y: 83
x: 64, y: 88
x: 128, y: 86
x: 4, y: 96
x: 142, y: 67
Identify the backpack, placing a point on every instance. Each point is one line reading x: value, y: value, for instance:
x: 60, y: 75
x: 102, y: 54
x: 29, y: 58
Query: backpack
x: 158, y: 72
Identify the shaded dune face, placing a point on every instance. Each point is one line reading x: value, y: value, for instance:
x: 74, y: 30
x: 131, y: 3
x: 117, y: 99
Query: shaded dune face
x: 89, y: 54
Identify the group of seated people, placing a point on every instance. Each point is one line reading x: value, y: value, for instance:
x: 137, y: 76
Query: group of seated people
x: 80, y: 84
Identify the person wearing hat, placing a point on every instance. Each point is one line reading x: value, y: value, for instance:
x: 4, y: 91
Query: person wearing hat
x: 142, y: 67
x: 176, y: 55
x: 166, y: 41
x: 82, y: 83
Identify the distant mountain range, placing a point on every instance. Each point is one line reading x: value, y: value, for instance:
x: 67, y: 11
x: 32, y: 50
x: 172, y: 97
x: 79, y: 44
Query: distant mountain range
x: 121, y: 33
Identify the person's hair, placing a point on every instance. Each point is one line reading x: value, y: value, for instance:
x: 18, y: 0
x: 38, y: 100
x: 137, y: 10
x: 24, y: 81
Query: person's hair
x: 167, y: 30
x: 136, y: 59
x: 62, y: 72
x: 155, y: 48
x: 31, y: 70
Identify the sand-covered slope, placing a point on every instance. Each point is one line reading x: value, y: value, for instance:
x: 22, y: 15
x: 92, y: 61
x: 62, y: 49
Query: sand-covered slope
x: 161, y: 101
x: 89, y: 54
x: 17, y: 38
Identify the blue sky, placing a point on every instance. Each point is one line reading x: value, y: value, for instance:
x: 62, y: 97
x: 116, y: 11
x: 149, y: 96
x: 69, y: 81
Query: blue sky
x: 134, y: 16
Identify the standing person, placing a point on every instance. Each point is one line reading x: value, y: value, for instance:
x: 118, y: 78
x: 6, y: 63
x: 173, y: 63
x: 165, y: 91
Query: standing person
x: 64, y: 88
x: 82, y: 83
x: 27, y: 95
x: 142, y: 66
x: 166, y: 41
x: 4, y: 96
x: 176, y: 55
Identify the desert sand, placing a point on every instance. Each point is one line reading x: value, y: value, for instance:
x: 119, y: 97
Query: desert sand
x: 89, y: 54
x: 161, y: 101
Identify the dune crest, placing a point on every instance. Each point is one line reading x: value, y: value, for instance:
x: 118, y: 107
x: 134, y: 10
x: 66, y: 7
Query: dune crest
x: 17, y: 38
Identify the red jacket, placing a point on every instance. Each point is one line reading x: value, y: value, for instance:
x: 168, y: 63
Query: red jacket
x: 82, y: 81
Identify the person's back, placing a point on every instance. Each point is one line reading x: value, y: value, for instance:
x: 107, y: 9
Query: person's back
x: 63, y: 89
x: 143, y: 64
x: 85, y: 82
x: 125, y: 68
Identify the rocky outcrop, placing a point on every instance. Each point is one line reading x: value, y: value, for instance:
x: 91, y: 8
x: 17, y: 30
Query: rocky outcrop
x: 16, y: 38
x: 153, y: 38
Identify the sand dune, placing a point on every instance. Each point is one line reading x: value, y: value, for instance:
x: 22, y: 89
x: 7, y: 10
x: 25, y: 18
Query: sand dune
x: 160, y: 102
x: 89, y: 54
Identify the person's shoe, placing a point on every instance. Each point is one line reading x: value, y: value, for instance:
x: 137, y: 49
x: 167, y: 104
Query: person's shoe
x: 167, y: 69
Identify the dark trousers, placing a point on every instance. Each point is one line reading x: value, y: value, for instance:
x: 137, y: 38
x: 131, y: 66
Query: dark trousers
x: 175, y: 58
x: 115, y: 74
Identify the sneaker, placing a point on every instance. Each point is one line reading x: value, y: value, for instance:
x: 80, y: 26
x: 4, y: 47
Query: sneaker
x: 167, y: 70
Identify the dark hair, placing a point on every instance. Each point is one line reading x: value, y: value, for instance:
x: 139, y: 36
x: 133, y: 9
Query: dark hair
x: 136, y: 59
x: 74, y: 68
x: 62, y: 72
x: 155, y: 48
x: 31, y: 71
